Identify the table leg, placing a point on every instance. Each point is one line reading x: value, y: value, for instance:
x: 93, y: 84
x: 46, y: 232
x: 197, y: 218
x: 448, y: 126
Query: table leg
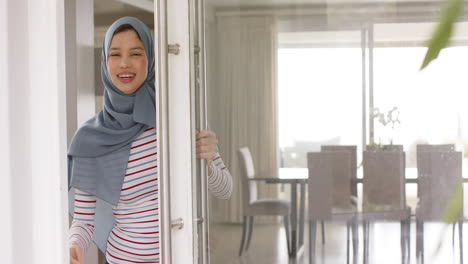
x: 301, y: 214
x: 293, y: 220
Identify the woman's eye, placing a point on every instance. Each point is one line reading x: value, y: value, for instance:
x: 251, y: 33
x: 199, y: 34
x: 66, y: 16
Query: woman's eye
x: 115, y: 55
x: 136, y: 54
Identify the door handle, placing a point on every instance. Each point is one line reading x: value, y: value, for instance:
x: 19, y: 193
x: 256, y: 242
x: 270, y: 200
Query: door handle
x: 177, y: 223
x: 173, y: 49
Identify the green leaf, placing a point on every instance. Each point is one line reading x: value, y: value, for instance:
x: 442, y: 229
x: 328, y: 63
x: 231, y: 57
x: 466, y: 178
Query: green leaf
x: 454, y: 206
x: 443, y: 32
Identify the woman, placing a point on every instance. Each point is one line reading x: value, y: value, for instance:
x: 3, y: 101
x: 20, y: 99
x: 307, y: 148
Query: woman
x: 112, y: 157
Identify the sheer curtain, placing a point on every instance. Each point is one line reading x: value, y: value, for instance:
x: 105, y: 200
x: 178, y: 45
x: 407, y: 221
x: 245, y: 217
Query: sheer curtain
x: 242, y: 96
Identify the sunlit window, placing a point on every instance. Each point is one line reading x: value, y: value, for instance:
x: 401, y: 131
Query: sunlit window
x: 320, y: 100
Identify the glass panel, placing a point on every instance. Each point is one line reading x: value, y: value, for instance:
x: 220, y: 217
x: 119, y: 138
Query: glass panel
x: 307, y: 89
x: 287, y: 78
x: 200, y: 186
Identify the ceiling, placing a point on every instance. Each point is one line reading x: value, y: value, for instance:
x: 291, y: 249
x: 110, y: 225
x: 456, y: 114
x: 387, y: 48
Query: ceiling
x: 107, y: 11
x: 272, y: 3
x: 107, y: 7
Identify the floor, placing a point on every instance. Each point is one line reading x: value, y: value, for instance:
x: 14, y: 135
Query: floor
x: 268, y: 245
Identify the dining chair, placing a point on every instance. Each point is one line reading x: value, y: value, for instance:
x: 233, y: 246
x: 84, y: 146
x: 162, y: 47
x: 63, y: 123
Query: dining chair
x: 436, y: 148
x: 353, y: 152
x: 384, y: 196
x: 330, y: 196
x: 433, y: 148
x: 439, y: 186
x: 253, y: 205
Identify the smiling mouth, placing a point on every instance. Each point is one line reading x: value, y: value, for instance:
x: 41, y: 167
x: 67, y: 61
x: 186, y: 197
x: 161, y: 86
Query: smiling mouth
x: 126, y: 78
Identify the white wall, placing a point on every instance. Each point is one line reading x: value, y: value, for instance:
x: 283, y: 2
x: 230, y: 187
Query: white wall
x: 33, y: 83
x: 5, y: 196
x: 33, y: 134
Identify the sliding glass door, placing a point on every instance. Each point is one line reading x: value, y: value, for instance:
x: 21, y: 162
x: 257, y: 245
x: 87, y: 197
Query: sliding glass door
x: 287, y: 78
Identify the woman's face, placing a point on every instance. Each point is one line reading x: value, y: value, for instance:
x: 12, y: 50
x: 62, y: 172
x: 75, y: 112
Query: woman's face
x: 127, y: 63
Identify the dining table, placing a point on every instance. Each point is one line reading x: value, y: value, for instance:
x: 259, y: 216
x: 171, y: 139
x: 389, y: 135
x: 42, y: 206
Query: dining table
x: 297, y: 178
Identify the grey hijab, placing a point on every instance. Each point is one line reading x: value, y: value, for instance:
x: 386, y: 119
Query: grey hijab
x: 99, y: 151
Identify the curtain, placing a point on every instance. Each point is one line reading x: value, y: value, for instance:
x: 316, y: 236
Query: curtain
x: 242, y: 101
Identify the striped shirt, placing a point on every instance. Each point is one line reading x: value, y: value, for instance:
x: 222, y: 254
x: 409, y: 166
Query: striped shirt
x: 135, y: 236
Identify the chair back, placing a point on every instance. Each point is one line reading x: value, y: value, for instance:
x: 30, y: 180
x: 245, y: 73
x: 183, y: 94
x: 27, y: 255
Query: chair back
x: 353, y: 151
x: 384, y: 181
x: 439, y: 174
x: 432, y: 148
x: 329, y: 184
x: 247, y: 171
x: 384, y: 148
x: 436, y: 148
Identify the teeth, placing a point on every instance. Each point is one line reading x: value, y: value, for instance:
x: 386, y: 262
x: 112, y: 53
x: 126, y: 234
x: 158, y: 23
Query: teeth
x: 126, y: 75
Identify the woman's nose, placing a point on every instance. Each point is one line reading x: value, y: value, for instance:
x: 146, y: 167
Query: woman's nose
x: 125, y: 62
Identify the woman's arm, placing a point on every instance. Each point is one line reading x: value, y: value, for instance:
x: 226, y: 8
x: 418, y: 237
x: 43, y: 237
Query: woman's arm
x: 82, y: 229
x: 219, y: 178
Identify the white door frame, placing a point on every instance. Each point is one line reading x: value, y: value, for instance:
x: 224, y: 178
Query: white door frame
x: 33, y: 134
x: 176, y: 137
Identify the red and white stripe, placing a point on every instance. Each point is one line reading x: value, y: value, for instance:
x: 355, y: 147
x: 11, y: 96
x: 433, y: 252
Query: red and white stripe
x: 220, y: 180
x: 135, y: 236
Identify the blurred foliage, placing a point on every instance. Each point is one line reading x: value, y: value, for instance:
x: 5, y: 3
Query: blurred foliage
x: 441, y: 36
x: 452, y: 213
x: 455, y: 204
x: 451, y: 12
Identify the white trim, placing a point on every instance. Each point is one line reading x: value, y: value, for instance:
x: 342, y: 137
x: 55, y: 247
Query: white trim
x: 6, y: 247
x: 48, y: 135
x: 161, y: 56
x: 19, y: 137
x: 180, y: 156
x: 198, y: 116
x: 33, y: 111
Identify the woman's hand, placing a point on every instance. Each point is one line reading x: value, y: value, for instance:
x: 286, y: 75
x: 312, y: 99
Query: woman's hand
x: 76, y: 254
x: 207, y: 145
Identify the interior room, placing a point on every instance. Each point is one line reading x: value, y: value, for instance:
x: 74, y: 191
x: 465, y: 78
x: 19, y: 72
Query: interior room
x: 342, y: 148
x: 285, y: 78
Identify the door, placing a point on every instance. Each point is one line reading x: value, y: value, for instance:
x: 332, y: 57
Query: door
x: 188, y: 68
x: 233, y: 54
x: 182, y: 219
